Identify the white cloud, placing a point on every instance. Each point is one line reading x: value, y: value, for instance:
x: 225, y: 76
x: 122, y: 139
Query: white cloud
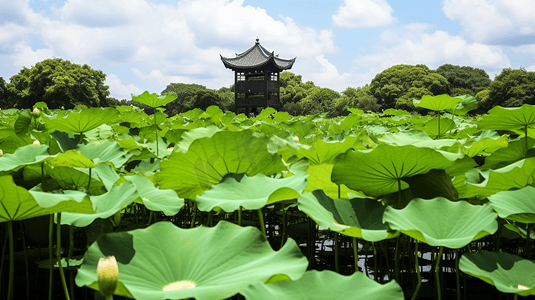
x: 119, y: 90
x: 436, y: 49
x: 492, y: 21
x: 26, y: 57
x: 363, y: 13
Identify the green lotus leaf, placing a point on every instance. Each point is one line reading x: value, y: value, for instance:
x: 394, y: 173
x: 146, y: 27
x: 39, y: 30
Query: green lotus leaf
x: 440, y: 222
x: 80, y: 121
x: 319, y: 178
x: 194, y: 134
x: 23, y: 156
x: 301, y: 129
x: 16, y: 203
x: 250, y: 192
x: 488, y: 142
x: 104, y: 205
x: 75, y: 178
x: 437, y: 103
x: 515, y: 205
x: 326, y: 151
x: 65, y: 141
x: 358, y: 217
x: 380, y: 171
x: 106, y: 151
x: 64, y: 201
x: 72, y: 158
x: 107, y: 175
x: 209, y: 159
x: 438, y: 127
x: 416, y: 138
x: 515, y: 151
x: 509, y: 273
x: 155, y: 199
x: 469, y: 103
x: 11, y: 142
x: 154, y: 100
x: 515, y: 175
x: 325, y: 285
x: 167, y: 262
x: 508, y: 118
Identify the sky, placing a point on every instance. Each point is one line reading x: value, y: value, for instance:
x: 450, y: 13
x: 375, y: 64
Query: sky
x: 144, y: 45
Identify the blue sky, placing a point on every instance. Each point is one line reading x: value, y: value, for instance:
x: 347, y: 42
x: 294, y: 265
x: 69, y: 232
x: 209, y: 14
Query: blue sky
x: 147, y: 44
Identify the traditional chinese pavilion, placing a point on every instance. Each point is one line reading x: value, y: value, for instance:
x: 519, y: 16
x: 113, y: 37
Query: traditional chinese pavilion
x: 256, y: 77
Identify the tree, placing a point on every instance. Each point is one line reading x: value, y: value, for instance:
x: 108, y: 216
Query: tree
x: 482, y: 99
x: 396, y: 86
x: 511, y: 88
x: 320, y: 100
x: 3, y: 93
x: 292, y: 88
x: 190, y: 96
x: 464, y: 80
x: 58, y: 83
x: 359, y: 97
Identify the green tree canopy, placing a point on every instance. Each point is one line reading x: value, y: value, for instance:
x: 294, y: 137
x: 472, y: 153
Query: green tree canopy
x: 359, y: 97
x: 58, y: 83
x: 320, y: 100
x: 511, y: 88
x: 464, y: 80
x: 396, y: 86
x: 190, y: 96
x: 3, y: 93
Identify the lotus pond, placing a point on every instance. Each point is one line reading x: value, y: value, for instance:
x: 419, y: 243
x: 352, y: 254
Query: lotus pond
x: 214, y: 205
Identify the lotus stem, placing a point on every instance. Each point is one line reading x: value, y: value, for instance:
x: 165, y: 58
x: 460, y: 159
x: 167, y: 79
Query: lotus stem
x: 50, y: 255
x: 396, y: 261
x: 416, y: 264
x: 437, y: 273
x: 194, y: 214
x: 526, y: 137
x: 375, y: 262
x: 156, y: 133
x: 283, y: 235
x: 11, y: 260
x: 261, y: 221
x: 528, y: 234
x: 239, y: 215
x: 336, y: 268
x: 355, y: 254
x: 89, y: 181
x: 366, y: 259
x: 457, y: 274
x: 58, y: 257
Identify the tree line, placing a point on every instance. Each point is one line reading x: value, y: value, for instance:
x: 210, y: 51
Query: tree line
x: 62, y: 84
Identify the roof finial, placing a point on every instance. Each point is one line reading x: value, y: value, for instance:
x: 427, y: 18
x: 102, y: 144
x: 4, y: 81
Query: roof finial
x: 257, y: 39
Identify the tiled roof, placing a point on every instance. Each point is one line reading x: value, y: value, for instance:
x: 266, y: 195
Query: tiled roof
x: 255, y: 57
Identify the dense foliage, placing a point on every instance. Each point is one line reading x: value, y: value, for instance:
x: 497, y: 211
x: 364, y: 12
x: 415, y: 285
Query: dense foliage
x: 464, y: 80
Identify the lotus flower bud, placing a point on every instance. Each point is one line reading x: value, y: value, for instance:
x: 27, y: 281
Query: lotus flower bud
x: 107, y: 273
x: 36, y: 143
x: 36, y: 113
x: 296, y: 138
x: 62, y: 107
x: 1, y: 152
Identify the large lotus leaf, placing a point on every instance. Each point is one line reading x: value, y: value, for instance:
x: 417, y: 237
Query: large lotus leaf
x: 301, y: 129
x: 516, y: 150
x: 325, y: 151
x: 107, y: 175
x: 516, y: 205
x: 63, y: 201
x: 508, y: 118
x: 106, y: 151
x: 326, y: 284
x: 469, y: 103
x: 440, y: 222
x: 72, y: 158
x: 155, y: 199
x: 209, y: 159
x: 154, y: 100
x: 11, y: 142
x: 438, y: 127
x: 488, y: 142
x: 378, y: 171
x: 509, y: 273
x: 23, y: 156
x: 516, y: 175
x: 416, y: 138
x: 358, y: 217
x: 319, y: 178
x: 437, y: 103
x: 80, y: 121
x: 104, y: 205
x: 16, y: 203
x: 167, y: 262
x: 250, y: 192
x: 75, y: 178
x: 194, y: 134
x: 65, y: 141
